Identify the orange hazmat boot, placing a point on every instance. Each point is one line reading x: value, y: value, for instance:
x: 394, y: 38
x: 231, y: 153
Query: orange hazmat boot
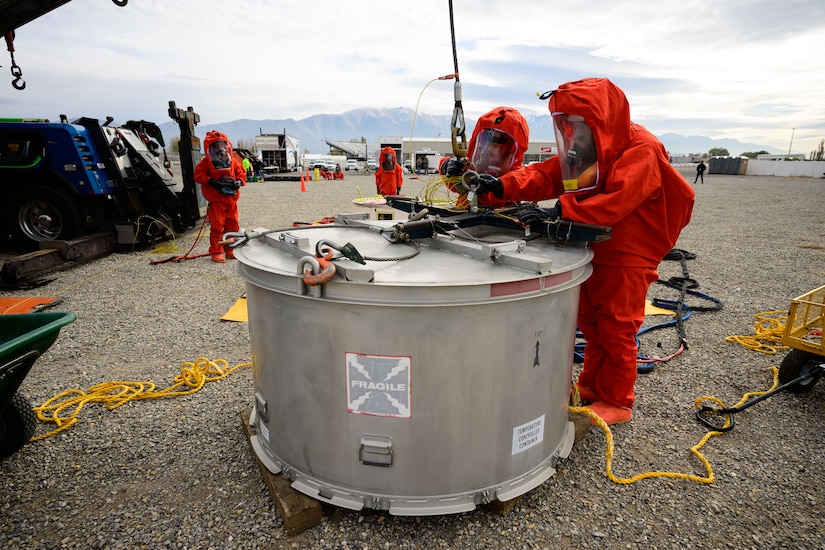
x: 611, y: 414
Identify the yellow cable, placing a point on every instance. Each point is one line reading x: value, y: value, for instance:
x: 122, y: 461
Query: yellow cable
x: 173, y: 247
x: 63, y: 409
x: 609, y: 450
x: 768, y: 330
x: 437, y: 193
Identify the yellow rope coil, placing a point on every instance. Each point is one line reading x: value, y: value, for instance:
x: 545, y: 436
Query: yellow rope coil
x: 436, y: 193
x: 63, y: 409
x: 768, y: 330
x: 708, y: 479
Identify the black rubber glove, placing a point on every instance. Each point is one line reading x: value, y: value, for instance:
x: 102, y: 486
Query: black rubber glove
x: 454, y: 167
x: 529, y: 217
x: 398, y: 191
x: 489, y: 184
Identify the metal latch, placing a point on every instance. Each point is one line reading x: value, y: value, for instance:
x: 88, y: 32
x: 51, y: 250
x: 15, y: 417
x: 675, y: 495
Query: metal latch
x: 375, y: 450
x: 260, y: 404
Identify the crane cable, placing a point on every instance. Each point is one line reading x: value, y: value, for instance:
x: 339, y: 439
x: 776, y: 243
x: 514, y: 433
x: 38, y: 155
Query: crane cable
x: 458, y: 129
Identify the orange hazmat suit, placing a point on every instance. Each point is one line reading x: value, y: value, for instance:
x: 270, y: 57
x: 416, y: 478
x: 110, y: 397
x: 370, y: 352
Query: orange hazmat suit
x: 633, y: 189
x: 389, y: 177
x: 222, y: 211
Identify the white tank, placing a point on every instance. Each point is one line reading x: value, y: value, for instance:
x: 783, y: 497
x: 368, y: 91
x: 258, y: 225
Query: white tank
x: 428, y: 383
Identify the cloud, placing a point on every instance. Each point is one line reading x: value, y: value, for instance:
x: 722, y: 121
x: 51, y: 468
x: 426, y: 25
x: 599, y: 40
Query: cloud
x: 739, y: 69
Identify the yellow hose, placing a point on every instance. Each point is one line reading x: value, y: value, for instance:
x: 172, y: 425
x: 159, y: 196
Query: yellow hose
x: 708, y: 479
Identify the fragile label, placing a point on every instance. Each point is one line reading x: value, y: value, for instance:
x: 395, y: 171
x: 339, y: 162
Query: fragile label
x: 378, y: 385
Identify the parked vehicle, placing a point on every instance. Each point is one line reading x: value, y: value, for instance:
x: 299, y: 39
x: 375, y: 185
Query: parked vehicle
x: 352, y: 164
x: 64, y: 179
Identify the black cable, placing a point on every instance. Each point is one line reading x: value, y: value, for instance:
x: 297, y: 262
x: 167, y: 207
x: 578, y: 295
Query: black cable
x: 452, y: 37
x: 685, y: 285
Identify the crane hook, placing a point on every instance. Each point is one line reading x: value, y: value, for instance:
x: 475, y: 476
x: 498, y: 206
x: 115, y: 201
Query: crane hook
x: 16, y: 71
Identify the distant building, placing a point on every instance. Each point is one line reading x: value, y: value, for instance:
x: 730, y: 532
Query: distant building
x: 538, y: 150
x: 794, y: 156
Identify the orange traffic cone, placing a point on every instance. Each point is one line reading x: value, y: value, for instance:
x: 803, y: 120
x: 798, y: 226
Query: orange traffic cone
x: 303, y: 184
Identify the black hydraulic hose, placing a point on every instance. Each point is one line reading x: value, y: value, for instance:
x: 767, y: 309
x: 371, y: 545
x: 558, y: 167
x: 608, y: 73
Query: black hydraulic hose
x: 705, y: 412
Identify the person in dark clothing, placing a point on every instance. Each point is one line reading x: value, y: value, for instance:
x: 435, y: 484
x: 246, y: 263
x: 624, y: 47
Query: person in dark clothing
x: 700, y: 172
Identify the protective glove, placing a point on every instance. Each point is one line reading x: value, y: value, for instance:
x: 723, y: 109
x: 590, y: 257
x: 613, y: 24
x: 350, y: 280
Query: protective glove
x: 398, y: 191
x: 489, y: 184
x: 535, y: 215
x: 454, y: 167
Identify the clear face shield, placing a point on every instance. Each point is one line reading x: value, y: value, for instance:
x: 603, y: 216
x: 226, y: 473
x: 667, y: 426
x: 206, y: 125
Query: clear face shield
x: 577, y: 151
x: 220, y: 154
x: 494, y: 152
x: 387, y: 162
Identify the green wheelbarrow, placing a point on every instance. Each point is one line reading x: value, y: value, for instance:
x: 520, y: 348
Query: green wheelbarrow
x: 23, y: 338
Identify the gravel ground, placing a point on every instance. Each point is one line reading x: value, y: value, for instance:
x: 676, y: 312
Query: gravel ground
x: 179, y: 473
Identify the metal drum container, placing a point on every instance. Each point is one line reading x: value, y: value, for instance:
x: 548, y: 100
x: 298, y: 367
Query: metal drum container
x: 432, y: 379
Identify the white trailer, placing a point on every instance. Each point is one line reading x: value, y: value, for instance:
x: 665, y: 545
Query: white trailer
x: 425, y: 161
x: 279, y: 153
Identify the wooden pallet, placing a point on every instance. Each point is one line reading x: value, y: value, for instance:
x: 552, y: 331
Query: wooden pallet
x: 18, y: 272
x: 298, y: 511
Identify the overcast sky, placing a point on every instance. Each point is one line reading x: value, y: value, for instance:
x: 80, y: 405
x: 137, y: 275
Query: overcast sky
x: 752, y: 70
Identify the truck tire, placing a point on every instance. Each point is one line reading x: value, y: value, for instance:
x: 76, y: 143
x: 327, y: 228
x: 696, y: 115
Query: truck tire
x: 43, y: 213
x: 17, y: 425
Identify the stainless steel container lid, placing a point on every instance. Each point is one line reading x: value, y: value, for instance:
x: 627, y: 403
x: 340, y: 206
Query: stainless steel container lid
x: 469, y: 265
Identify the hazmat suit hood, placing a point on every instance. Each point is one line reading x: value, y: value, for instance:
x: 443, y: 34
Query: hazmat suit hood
x: 218, y: 148
x: 508, y: 121
x: 606, y: 111
x: 387, y: 154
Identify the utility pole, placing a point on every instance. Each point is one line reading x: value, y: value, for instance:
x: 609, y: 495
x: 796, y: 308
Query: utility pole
x: 791, y: 145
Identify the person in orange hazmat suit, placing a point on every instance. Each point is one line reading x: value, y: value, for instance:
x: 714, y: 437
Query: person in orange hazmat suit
x: 610, y: 172
x: 220, y: 176
x: 389, y: 177
x: 498, y: 143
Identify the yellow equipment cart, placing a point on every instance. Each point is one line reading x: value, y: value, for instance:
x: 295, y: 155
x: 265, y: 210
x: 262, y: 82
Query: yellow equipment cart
x: 803, y: 334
